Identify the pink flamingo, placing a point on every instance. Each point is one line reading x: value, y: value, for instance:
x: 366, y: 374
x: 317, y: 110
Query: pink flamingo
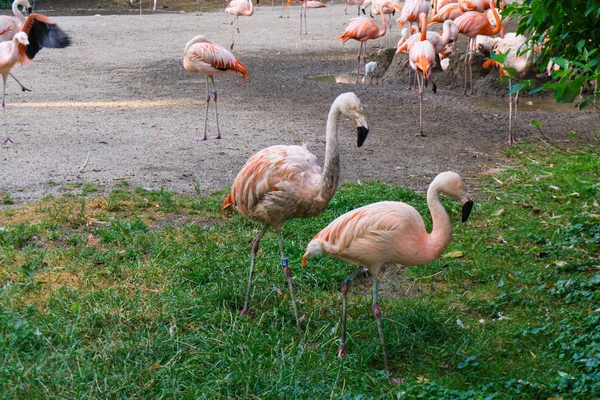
x: 303, y: 6
x: 512, y: 44
x: 471, y: 24
x: 38, y: 32
x: 411, y: 11
x: 385, y: 232
x: 422, y: 59
x: 359, y: 3
x: 237, y: 8
x: 207, y: 58
x: 363, y: 29
x: 285, y: 182
x: 8, y: 25
x: 451, y: 12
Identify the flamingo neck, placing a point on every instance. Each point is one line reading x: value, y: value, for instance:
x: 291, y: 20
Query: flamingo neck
x: 446, y: 32
x: 441, y: 232
x: 17, y: 12
x: 383, y: 29
x: 251, y: 9
x: 331, y: 166
x: 423, y: 18
x: 496, y: 18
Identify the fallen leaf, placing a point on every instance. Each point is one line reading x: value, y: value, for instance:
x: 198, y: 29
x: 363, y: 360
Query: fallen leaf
x: 453, y: 254
x: 499, y: 212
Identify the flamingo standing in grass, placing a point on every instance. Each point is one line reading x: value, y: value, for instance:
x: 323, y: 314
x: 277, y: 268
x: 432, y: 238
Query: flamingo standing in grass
x: 422, y: 59
x: 36, y: 33
x: 237, y: 8
x: 363, y: 29
x: 471, y: 24
x: 207, y: 58
x: 385, y: 232
x: 285, y: 182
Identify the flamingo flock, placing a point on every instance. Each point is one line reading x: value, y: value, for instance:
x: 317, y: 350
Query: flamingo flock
x: 284, y: 182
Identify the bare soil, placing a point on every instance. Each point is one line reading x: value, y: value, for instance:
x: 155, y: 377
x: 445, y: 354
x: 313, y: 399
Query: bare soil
x: 121, y: 93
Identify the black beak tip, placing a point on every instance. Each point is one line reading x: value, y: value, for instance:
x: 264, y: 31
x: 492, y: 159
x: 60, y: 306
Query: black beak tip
x: 363, y: 11
x: 466, y: 210
x: 29, y: 10
x: 362, y: 135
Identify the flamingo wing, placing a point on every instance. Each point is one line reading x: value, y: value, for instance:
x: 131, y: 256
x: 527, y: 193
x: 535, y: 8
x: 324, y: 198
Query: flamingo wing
x: 208, y: 54
x: 359, y: 28
x: 8, y: 28
x: 42, y: 32
x: 271, y: 170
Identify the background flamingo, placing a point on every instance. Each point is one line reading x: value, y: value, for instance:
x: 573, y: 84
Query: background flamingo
x: 411, y: 11
x: 422, y: 59
x: 39, y: 32
x: 237, y: 8
x: 304, y: 4
x: 471, y: 24
x: 385, y: 232
x: 363, y: 29
x: 519, y: 63
x: 285, y: 182
x: 451, y: 12
x: 207, y: 58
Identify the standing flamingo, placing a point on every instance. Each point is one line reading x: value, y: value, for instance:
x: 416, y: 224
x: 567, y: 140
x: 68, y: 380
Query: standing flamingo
x: 39, y: 32
x: 519, y: 63
x: 389, y: 231
x: 304, y: 4
x: 237, y: 8
x: 153, y: 8
x: 422, y: 59
x: 363, y: 29
x: 411, y: 11
x: 9, y: 27
x: 451, y: 12
x: 471, y: 24
x: 285, y: 182
x: 207, y: 58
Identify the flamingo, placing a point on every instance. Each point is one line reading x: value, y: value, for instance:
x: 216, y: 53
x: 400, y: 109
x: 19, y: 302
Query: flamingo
x: 285, y: 182
x: 520, y: 64
x: 359, y: 3
x: 388, y: 7
x: 422, y: 59
x: 451, y: 12
x: 363, y: 29
x: 385, y: 232
x: 237, y: 8
x: 38, y: 32
x: 411, y: 11
x: 471, y: 24
x: 439, y: 41
x: 207, y: 58
x: 303, y: 6
x: 9, y: 27
x: 153, y: 8
x: 370, y: 68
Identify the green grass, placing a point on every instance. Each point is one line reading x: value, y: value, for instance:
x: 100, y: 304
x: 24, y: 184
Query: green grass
x: 148, y: 305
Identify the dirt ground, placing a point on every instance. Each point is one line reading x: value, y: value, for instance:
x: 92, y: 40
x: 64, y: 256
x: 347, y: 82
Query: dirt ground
x: 120, y: 92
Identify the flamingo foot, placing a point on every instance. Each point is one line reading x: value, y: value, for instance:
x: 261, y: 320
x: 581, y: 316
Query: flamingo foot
x: 199, y: 139
x: 420, y: 134
x: 511, y: 141
x: 231, y: 47
x: 395, y: 381
x: 8, y: 142
x: 218, y: 136
x: 342, y: 352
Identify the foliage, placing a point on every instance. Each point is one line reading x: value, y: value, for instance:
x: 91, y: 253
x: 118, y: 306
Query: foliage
x: 569, y: 35
x: 137, y: 293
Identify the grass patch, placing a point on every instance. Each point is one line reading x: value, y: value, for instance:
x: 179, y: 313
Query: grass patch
x: 137, y: 294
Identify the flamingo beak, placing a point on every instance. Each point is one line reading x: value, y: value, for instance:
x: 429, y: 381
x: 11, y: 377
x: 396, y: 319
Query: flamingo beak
x: 362, y: 129
x: 466, y: 209
x: 29, y: 10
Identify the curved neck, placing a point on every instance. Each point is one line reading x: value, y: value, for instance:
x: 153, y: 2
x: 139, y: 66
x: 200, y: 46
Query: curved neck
x: 446, y: 33
x: 383, y: 24
x: 331, y: 167
x: 496, y: 18
x: 251, y: 9
x: 442, y: 228
x: 17, y: 12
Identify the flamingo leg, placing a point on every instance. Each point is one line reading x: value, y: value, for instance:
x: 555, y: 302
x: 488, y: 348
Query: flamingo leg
x: 466, y: 62
x: 345, y: 286
x: 23, y: 88
x: 7, y: 141
x: 216, y: 108
x: 207, y: 104
x: 358, y: 61
x: 255, y: 244
x: 420, y: 82
x: 140, y: 7
x: 232, y: 41
x: 300, y: 19
x: 305, y: 23
x: 471, y: 68
x: 288, y: 276
x: 377, y: 315
x: 510, y: 113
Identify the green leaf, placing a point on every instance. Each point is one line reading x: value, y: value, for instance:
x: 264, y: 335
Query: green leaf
x: 536, y: 124
x: 564, y: 64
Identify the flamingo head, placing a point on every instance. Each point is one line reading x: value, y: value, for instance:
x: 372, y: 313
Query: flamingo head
x: 21, y: 37
x: 349, y: 105
x: 451, y: 184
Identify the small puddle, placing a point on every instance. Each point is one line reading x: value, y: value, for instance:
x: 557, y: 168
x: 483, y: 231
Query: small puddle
x: 525, y: 104
x: 348, y: 79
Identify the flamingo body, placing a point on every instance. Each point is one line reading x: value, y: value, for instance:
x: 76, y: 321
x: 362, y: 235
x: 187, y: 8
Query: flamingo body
x: 284, y: 182
x: 451, y: 12
x: 385, y: 232
x: 207, y: 58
